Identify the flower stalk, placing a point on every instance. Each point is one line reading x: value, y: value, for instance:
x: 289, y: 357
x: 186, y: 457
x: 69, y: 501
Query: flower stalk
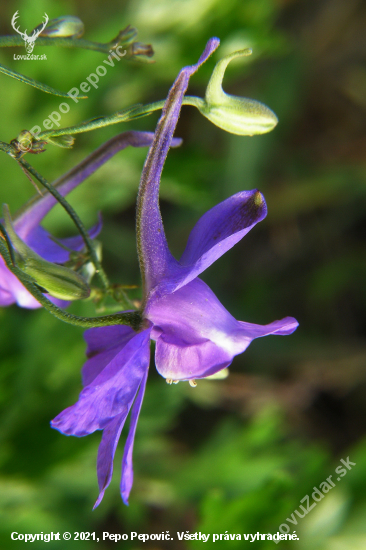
x: 124, y: 39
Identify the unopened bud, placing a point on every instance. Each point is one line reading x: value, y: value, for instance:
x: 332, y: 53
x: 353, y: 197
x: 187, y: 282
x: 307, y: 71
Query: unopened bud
x: 237, y: 115
x: 25, y: 140
x: 56, y: 280
x: 124, y: 37
x: 67, y: 25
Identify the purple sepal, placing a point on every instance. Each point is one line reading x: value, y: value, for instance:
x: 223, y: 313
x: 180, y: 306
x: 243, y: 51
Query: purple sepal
x: 12, y: 290
x: 103, y: 344
x: 215, y: 233
x: 111, y: 392
x: 112, y: 431
x: 156, y: 261
x: 106, y: 452
x: 43, y: 244
x: 115, y: 373
x: 220, y: 229
x: 127, y: 467
x: 108, y: 445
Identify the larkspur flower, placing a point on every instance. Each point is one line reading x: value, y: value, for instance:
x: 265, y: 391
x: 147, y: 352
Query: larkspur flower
x: 195, y: 336
x: 27, y: 221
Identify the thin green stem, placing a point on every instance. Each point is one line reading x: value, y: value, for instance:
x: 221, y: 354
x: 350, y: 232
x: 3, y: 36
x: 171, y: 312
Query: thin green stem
x: 131, y: 113
x: 31, y: 82
x: 9, y: 149
x: 130, y: 318
x: 75, y: 218
x: 124, y: 38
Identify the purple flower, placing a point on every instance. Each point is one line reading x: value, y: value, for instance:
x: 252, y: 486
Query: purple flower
x: 195, y: 335
x: 27, y: 221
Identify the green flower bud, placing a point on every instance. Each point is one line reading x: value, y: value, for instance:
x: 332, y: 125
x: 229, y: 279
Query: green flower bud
x: 67, y: 25
x: 237, y: 115
x: 56, y: 280
x: 25, y: 140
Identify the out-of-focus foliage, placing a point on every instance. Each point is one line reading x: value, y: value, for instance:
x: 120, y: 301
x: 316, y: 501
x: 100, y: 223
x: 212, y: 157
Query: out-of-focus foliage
x: 236, y: 455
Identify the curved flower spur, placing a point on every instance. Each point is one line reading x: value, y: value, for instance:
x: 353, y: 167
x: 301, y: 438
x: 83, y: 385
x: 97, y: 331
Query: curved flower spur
x: 27, y: 221
x: 195, y: 336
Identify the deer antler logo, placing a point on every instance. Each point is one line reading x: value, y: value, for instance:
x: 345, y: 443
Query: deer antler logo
x: 29, y: 40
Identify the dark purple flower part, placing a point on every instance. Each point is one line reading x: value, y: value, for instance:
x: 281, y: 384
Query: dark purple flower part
x: 27, y: 221
x: 195, y: 335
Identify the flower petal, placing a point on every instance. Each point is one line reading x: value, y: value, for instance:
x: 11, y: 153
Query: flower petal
x: 111, y: 392
x: 127, y: 469
x: 156, y: 261
x: 177, y: 359
x: 196, y: 336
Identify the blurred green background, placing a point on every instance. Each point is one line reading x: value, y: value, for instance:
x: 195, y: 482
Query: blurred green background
x: 236, y: 455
